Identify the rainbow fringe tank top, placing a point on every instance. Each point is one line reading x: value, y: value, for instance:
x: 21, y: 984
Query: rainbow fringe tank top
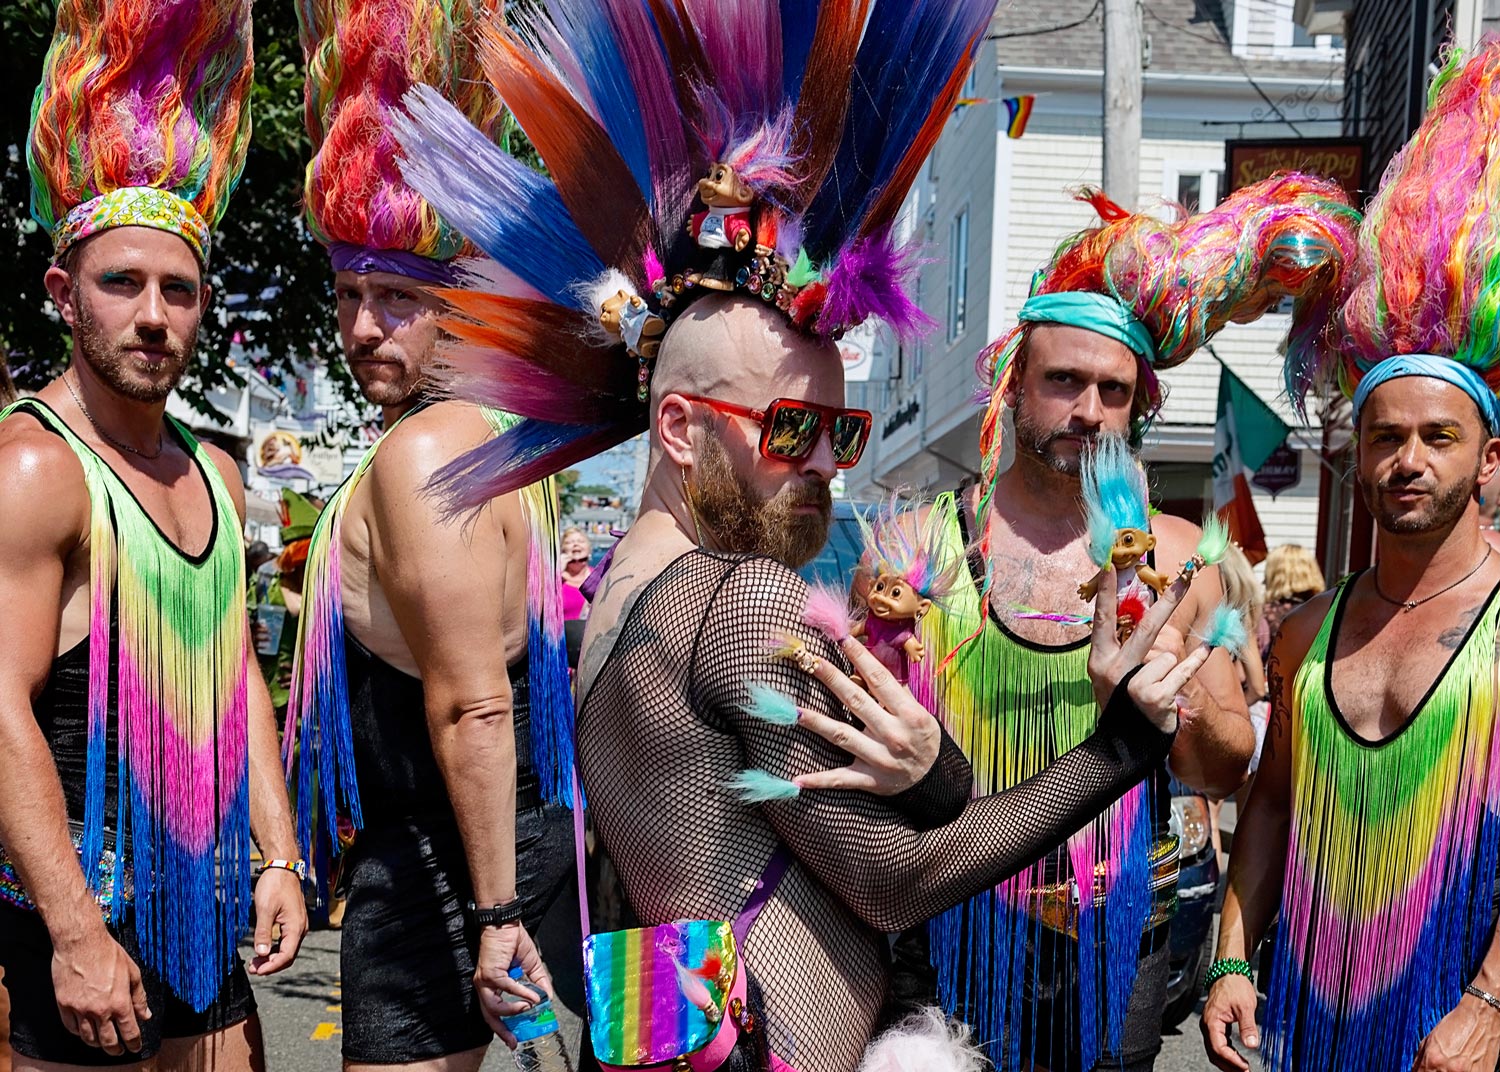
x: 1014, y: 707
x: 318, y: 746
x: 1388, y: 898
x: 182, y: 821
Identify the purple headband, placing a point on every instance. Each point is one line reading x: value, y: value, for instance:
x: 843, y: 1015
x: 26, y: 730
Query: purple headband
x: 348, y: 257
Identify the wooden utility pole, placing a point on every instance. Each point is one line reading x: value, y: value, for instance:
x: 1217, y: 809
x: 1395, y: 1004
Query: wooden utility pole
x: 1122, y: 101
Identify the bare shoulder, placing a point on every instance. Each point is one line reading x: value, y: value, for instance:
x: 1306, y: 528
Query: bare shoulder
x: 1176, y: 539
x: 401, y: 474
x: 43, y: 492
x: 1299, y: 629
x: 425, y: 441
x: 228, y: 468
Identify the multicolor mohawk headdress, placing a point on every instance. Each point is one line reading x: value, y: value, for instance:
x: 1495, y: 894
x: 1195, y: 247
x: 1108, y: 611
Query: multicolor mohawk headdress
x: 693, y: 147
x: 1419, y: 297
x: 141, y: 118
x: 361, y: 57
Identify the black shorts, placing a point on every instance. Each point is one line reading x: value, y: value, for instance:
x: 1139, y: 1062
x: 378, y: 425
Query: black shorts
x: 36, y: 1028
x: 407, y: 957
x: 1050, y: 1014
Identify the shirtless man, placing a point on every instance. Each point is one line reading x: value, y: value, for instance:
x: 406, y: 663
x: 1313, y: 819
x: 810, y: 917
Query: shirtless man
x: 1371, y: 833
x: 680, y: 626
x: 133, y: 297
x: 1397, y: 647
x: 435, y: 619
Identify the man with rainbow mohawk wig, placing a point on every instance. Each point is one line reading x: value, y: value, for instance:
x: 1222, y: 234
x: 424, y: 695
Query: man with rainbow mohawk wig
x: 140, y: 742
x: 1373, y: 828
x: 723, y: 184
x: 430, y: 709
x: 1052, y: 977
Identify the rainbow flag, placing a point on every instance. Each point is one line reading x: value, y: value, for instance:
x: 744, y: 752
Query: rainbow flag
x: 1020, y: 111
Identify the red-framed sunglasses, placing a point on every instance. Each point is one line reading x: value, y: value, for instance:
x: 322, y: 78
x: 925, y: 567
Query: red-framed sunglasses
x: 790, y: 427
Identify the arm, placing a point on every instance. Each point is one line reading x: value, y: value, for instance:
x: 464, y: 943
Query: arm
x: 1216, y: 740
x: 887, y: 872
x: 446, y: 583
x: 278, y: 893
x: 1258, y: 864
x: 44, y: 521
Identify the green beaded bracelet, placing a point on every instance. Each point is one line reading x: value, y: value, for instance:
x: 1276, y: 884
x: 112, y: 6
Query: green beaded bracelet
x: 1227, y: 966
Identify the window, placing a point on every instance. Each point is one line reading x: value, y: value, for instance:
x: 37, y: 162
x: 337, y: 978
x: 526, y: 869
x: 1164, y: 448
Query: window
x: 958, y: 274
x: 1194, y: 187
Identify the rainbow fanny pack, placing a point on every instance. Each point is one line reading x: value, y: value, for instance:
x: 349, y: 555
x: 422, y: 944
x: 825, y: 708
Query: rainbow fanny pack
x: 669, y: 997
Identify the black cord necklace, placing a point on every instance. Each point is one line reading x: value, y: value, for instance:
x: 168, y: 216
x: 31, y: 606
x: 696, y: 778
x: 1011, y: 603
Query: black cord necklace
x: 148, y: 455
x: 1411, y: 604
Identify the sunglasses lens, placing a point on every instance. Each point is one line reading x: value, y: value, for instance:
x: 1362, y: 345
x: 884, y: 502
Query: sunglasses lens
x: 791, y: 430
x: 849, y: 435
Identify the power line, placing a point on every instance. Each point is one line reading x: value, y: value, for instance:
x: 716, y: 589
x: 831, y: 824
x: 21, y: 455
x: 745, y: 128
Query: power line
x: 1036, y: 31
x: 1240, y: 63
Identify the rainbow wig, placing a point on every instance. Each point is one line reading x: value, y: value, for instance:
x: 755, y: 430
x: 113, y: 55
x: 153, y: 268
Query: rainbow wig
x: 140, y: 118
x: 362, y: 55
x: 908, y: 540
x: 631, y: 103
x: 1426, y: 277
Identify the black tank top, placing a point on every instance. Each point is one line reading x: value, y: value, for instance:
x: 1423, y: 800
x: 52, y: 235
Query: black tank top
x: 398, y: 774
x: 62, y: 714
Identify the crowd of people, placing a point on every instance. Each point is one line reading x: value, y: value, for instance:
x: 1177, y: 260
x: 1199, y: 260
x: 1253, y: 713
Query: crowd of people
x: 939, y: 839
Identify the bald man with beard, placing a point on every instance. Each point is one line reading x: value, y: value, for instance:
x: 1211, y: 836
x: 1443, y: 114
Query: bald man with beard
x: 681, y: 624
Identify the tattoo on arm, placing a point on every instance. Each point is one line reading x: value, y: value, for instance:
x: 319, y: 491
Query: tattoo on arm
x: 1280, y: 717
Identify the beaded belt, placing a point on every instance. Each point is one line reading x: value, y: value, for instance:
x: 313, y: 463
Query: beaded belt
x: 1056, y: 904
x: 14, y: 894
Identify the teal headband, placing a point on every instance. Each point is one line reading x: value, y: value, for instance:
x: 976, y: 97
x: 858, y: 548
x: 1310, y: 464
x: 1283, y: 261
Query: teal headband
x: 1099, y: 313
x: 1438, y: 368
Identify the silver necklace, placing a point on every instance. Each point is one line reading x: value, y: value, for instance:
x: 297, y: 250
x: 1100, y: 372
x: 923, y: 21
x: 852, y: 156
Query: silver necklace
x: 160, y: 445
x: 1412, y: 604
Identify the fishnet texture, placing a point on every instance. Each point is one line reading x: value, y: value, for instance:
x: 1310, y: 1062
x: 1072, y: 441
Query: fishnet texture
x: 664, y: 728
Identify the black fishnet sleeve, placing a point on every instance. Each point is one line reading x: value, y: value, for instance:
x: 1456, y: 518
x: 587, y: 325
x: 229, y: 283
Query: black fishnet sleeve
x: 892, y: 874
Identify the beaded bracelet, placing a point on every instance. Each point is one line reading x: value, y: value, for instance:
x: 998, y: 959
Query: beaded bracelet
x: 1227, y: 966
x: 296, y: 867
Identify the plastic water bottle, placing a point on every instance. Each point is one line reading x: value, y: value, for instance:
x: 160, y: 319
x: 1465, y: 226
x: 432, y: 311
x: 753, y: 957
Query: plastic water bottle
x: 541, y: 1047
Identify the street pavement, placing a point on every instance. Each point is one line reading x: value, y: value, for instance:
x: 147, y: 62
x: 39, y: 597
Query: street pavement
x: 301, y: 1018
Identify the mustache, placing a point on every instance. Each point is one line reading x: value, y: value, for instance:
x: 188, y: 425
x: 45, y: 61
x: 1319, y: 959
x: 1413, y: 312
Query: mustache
x: 812, y: 493
x: 160, y: 346
x: 1405, y: 485
x: 368, y: 352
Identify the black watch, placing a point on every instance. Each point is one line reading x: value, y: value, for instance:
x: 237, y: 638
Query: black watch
x: 496, y: 915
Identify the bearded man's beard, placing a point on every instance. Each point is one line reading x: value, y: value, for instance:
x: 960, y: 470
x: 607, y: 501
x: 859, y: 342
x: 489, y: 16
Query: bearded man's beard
x: 1038, y: 442
x: 108, y: 361
x: 726, y: 506
x: 1445, y: 504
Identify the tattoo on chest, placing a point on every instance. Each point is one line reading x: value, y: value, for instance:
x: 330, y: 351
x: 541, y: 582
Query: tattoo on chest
x: 1452, y: 638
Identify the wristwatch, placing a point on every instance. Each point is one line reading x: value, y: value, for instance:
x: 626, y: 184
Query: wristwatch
x: 496, y: 915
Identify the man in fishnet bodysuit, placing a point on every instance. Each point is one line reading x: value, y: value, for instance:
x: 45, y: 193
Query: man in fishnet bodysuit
x: 683, y: 623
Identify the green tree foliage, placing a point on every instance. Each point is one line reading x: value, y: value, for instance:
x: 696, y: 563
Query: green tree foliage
x: 568, y: 495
